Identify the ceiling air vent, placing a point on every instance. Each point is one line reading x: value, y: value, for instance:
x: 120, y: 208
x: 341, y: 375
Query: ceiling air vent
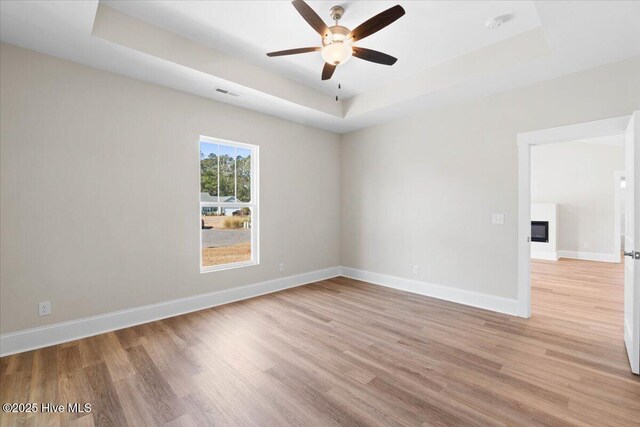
x: 226, y: 92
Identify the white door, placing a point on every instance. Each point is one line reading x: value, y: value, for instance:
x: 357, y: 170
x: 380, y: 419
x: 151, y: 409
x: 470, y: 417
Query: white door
x: 632, y: 242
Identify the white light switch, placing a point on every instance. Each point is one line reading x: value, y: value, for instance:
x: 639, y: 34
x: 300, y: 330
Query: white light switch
x: 497, y: 219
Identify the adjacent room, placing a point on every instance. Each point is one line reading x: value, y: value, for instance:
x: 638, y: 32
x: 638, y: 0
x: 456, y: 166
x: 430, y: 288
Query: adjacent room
x: 300, y: 212
x: 577, y: 232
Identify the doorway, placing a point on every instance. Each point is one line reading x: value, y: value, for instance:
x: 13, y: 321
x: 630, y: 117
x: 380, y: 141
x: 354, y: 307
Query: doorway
x: 595, y: 129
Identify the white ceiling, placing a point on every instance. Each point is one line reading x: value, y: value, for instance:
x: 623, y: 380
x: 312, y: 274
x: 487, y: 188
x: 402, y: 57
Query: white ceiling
x: 430, y: 33
x: 445, y: 52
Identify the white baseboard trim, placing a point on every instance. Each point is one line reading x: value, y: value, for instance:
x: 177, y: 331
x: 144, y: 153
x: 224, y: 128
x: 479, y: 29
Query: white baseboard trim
x: 589, y: 256
x: 45, y: 336
x: 549, y: 256
x: 447, y: 293
x: 58, y: 333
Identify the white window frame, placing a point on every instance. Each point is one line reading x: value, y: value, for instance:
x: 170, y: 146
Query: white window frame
x: 253, y: 205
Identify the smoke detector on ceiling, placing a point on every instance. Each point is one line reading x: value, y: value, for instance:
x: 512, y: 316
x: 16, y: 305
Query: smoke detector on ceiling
x: 496, y: 22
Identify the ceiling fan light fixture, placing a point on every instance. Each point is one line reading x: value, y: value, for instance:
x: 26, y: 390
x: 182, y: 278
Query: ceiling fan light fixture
x: 337, y: 49
x: 337, y: 52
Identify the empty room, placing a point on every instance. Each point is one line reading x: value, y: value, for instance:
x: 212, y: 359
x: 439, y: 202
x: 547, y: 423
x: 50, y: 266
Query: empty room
x: 405, y: 213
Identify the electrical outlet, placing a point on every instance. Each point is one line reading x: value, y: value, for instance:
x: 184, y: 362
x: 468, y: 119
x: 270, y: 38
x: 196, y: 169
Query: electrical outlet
x: 44, y: 308
x: 416, y: 269
x: 281, y: 267
x: 585, y: 245
x: 497, y: 219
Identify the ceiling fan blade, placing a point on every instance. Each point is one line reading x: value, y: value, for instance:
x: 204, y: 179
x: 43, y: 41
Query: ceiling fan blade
x: 327, y: 71
x: 374, y: 56
x: 311, y: 17
x: 294, y: 51
x: 376, y: 23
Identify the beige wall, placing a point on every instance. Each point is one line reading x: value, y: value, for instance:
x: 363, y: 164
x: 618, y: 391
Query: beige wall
x: 420, y: 190
x: 579, y: 178
x: 99, y: 191
x: 99, y: 187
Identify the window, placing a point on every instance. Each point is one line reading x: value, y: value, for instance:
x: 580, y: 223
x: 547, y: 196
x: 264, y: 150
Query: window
x: 228, y: 204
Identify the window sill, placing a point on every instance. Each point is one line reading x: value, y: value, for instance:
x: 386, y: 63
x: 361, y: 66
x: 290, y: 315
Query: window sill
x: 212, y: 268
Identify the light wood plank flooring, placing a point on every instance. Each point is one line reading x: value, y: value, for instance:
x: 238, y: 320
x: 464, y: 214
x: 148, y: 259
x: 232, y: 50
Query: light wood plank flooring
x: 344, y: 352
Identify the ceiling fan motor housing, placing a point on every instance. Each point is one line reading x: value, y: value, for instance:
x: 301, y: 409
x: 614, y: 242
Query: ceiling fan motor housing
x: 338, y: 33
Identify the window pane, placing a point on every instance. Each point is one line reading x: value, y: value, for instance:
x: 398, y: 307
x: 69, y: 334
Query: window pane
x: 208, y: 172
x: 226, y: 236
x: 243, y: 174
x: 227, y: 173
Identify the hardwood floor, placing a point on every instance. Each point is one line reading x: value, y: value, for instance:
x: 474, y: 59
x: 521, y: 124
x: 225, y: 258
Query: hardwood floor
x: 344, y: 352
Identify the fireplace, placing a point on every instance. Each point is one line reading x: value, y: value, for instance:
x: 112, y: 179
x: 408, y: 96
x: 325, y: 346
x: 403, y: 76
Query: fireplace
x: 540, y: 231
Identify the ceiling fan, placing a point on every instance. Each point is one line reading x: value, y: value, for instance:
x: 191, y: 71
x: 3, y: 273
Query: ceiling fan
x: 337, y: 41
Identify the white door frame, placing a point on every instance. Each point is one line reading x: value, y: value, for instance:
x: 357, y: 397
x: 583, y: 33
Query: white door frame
x: 525, y: 140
